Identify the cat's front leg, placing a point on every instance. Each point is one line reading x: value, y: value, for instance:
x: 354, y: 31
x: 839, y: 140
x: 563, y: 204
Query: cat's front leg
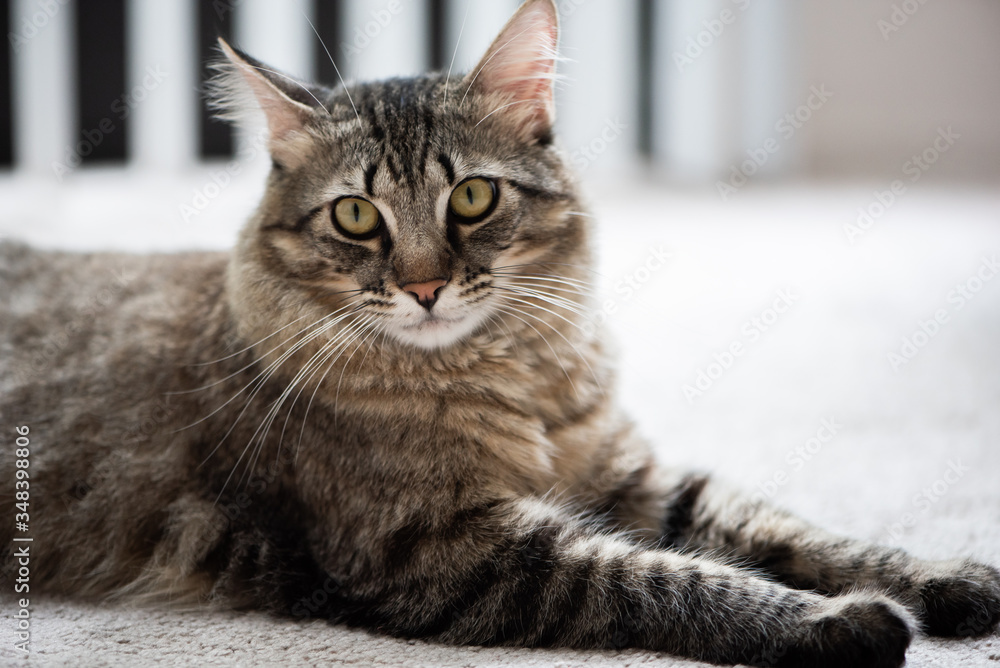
x: 951, y: 598
x: 523, y: 572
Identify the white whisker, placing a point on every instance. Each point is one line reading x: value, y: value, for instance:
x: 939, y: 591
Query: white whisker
x: 454, y: 55
x: 582, y: 357
x: 511, y: 312
x: 260, y: 434
x: 501, y: 108
x: 335, y: 68
x: 548, y: 297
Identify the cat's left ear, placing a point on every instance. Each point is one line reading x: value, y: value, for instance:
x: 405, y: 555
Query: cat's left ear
x: 287, y: 103
x: 519, y: 70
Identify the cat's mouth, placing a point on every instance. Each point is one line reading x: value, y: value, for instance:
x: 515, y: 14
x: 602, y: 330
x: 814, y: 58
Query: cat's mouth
x: 433, y: 322
x: 432, y: 331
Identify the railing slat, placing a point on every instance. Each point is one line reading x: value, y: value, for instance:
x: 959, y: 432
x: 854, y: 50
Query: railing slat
x: 43, y: 86
x: 382, y: 38
x: 278, y: 34
x: 472, y: 26
x: 597, y: 102
x: 162, y: 83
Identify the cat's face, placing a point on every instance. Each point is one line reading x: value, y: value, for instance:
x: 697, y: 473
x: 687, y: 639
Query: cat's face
x: 414, y: 204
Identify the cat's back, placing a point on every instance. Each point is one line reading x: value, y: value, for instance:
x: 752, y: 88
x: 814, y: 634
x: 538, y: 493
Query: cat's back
x: 60, y: 308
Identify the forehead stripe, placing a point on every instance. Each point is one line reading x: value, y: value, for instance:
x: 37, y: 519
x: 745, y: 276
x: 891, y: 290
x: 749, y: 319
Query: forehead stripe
x: 370, y: 178
x: 449, y: 169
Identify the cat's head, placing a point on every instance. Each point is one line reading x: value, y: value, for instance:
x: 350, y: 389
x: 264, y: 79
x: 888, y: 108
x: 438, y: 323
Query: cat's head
x: 423, y: 207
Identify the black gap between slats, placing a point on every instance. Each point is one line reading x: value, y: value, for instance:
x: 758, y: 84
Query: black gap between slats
x: 6, y: 97
x: 215, y: 19
x: 103, y: 103
x: 437, y: 27
x: 646, y: 45
x: 327, y: 19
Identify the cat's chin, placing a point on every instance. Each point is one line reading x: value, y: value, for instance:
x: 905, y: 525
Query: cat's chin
x: 436, y: 333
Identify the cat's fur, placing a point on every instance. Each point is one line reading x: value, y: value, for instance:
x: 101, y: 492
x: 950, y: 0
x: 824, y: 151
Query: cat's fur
x: 468, y: 479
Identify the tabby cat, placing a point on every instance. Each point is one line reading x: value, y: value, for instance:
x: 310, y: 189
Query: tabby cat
x: 383, y: 409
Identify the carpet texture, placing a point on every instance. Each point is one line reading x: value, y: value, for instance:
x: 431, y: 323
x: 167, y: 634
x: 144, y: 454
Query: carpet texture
x: 827, y: 410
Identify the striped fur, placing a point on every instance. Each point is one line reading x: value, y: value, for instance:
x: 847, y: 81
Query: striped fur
x: 283, y: 428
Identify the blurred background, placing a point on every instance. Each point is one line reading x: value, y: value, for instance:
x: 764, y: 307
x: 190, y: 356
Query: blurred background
x: 685, y: 87
x: 812, y: 183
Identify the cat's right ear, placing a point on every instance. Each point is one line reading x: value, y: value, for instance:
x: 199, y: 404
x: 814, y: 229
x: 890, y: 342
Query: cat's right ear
x: 243, y: 84
x: 518, y: 71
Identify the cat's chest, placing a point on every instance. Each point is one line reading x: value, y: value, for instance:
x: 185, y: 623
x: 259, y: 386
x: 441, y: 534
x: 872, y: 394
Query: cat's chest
x: 503, y: 420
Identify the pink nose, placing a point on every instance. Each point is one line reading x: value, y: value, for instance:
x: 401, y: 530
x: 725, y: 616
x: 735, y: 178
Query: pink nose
x: 426, y: 294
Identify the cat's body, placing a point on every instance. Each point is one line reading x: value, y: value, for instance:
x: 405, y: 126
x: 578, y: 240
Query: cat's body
x: 444, y: 457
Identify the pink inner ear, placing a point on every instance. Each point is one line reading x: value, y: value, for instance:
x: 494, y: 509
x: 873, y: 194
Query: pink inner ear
x: 283, y: 115
x: 521, y: 65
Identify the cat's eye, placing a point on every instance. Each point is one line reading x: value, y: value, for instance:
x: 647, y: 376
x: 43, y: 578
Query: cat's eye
x: 473, y: 199
x: 356, y: 218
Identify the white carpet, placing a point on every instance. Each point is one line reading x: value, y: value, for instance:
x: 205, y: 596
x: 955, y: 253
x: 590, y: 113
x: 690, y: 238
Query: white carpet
x: 898, y: 432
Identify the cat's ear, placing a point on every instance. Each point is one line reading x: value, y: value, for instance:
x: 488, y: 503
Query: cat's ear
x: 243, y: 83
x: 519, y: 70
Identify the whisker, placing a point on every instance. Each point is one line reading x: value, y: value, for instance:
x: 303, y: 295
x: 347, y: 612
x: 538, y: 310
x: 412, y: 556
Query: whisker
x: 546, y: 291
x: 494, y: 55
x: 294, y: 81
x: 266, y: 373
x: 300, y: 303
x: 542, y: 308
x: 251, y: 346
x: 454, y: 54
x: 302, y: 379
x: 547, y: 297
x: 492, y: 319
x: 335, y: 68
x: 260, y: 434
x: 582, y: 357
x: 513, y: 314
x: 336, y: 399
x: 548, y: 278
x: 501, y: 108
x: 260, y: 381
x: 553, y: 264
x: 344, y: 342
x: 256, y: 361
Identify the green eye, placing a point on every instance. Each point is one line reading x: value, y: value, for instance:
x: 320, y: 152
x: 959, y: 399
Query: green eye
x: 472, y: 200
x: 356, y: 218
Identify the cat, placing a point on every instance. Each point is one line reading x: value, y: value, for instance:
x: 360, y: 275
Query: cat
x: 383, y: 409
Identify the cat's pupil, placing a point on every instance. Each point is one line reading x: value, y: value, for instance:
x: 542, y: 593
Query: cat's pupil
x: 468, y: 193
x: 357, y: 212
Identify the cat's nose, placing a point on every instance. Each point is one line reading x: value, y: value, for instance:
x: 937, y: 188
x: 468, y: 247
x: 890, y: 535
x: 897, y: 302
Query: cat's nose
x: 425, y: 293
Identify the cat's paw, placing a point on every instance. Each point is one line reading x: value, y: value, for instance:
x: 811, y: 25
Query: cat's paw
x: 960, y: 599
x: 857, y: 630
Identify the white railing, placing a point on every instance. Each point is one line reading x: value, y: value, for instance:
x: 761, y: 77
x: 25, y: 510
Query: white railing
x: 735, y: 81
